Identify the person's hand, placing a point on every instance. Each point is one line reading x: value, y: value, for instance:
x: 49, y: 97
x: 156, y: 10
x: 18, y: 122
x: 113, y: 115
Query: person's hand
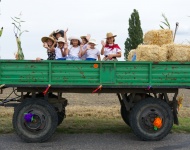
x: 88, y: 37
x: 103, y: 43
x: 45, y: 45
x: 66, y: 30
x: 88, y: 47
x: 38, y: 58
x: 110, y: 56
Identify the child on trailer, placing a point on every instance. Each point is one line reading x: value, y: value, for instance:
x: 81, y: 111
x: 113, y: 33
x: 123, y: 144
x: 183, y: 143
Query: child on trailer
x: 57, y: 34
x: 92, y: 54
x: 60, y: 49
x: 48, y: 43
x: 85, y: 40
x: 75, y: 51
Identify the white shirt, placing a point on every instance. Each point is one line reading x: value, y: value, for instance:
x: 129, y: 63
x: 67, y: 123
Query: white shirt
x: 58, y: 53
x: 92, y: 53
x: 108, y: 51
x: 83, y: 49
x: 74, y: 51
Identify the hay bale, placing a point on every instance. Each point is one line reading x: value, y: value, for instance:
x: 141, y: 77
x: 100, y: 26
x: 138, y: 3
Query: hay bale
x: 131, y: 54
x: 178, y: 52
x: 158, y: 37
x: 151, y: 53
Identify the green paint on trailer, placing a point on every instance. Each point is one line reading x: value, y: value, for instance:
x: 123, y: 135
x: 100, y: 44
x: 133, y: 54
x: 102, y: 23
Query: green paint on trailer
x: 83, y: 73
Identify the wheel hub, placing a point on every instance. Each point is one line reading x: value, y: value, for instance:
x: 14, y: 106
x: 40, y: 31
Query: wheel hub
x: 148, y: 119
x: 34, y: 121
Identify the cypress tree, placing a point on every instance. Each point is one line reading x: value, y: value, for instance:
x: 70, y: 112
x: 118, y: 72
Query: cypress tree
x: 135, y: 33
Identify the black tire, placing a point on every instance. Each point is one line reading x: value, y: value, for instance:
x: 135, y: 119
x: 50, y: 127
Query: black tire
x: 42, y: 127
x: 125, y: 115
x: 144, y: 113
x: 61, y: 116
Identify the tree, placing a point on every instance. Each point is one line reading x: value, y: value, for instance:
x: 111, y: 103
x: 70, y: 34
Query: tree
x: 135, y: 33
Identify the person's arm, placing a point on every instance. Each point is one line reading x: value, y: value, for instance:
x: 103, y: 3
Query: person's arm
x: 84, y: 51
x: 66, y: 51
x: 110, y: 56
x: 51, y: 35
x: 103, y: 46
x: 51, y: 49
x: 80, y: 51
x: 99, y: 59
x: 65, y: 35
x: 88, y: 37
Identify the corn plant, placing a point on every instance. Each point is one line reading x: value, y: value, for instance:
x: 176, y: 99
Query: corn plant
x: 165, y: 22
x: 18, y: 32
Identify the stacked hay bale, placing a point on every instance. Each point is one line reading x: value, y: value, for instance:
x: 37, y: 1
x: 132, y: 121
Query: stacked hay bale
x: 159, y: 46
x: 158, y: 37
x: 177, y: 52
x: 151, y: 53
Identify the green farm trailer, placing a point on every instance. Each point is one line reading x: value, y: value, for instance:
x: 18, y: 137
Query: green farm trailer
x: 142, y: 89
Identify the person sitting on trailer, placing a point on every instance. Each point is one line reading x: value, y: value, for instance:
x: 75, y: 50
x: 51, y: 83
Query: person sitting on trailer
x: 75, y: 51
x: 85, y: 40
x: 60, y: 50
x: 110, y: 50
x: 48, y: 43
x: 92, y: 54
x: 57, y: 34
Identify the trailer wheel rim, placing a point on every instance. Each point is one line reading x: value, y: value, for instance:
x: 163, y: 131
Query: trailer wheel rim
x: 147, y: 118
x: 37, y: 123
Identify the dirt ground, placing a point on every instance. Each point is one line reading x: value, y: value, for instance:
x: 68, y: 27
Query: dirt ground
x: 105, y: 100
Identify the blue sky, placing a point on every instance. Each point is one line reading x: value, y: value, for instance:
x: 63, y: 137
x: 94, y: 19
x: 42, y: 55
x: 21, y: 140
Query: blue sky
x: 83, y: 17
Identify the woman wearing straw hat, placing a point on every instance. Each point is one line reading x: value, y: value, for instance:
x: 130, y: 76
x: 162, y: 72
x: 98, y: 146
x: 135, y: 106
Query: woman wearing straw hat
x: 109, y: 49
x: 85, y: 40
x: 75, y: 51
x: 48, y: 44
x: 91, y: 52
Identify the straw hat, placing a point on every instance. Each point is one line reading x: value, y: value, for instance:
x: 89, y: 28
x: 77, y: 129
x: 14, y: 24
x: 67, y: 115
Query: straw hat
x: 74, y: 38
x: 109, y: 35
x: 83, y: 37
x: 61, y: 39
x: 44, y: 39
x: 92, y: 41
x: 58, y: 31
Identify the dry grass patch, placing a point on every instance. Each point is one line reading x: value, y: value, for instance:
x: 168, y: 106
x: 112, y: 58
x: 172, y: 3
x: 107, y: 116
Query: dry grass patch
x: 102, y: 112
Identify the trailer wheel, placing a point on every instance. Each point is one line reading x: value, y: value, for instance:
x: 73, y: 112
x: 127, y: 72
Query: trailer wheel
x: 61, y: 116
x: 143, y: 116
x: 35, y: 120
x: 125, y: 115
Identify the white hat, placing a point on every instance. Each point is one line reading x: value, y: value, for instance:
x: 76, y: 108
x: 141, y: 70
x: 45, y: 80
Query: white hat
x: 74, y: 38
x: 92, y: 41
x: 61, y: 39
